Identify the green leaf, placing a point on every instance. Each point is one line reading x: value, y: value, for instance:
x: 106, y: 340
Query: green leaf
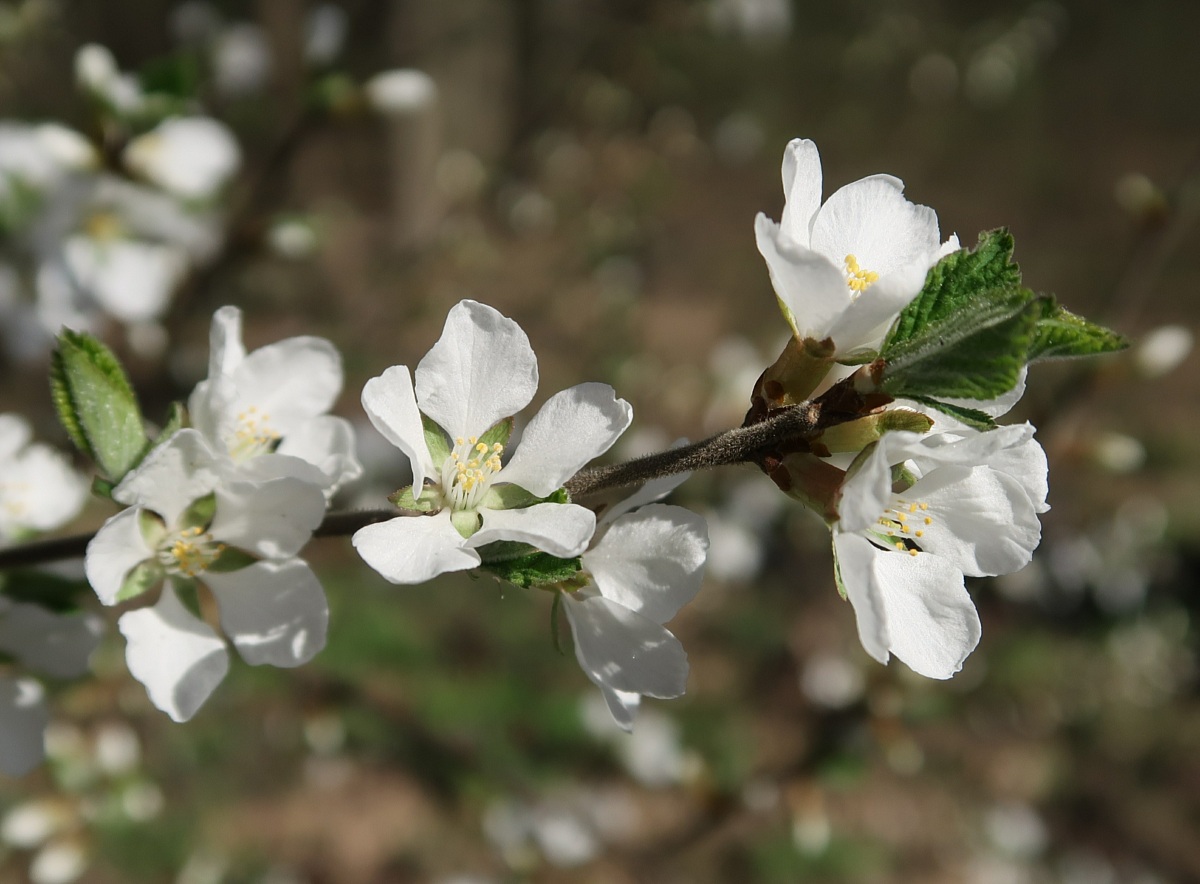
x: 199, y: 513
x: 954, y: 281
x: 232, y: 559
x: 96, y: 404
x: 436, y: 441
x: 1061, y: 334
x: 144, y: 577
x: 969, y: 416
x: 536, y: 569
x: 430, y: 501
x: 975, y: 352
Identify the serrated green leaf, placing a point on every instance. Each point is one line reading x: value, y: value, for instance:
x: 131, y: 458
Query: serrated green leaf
x: 536, y: 569
x: 436, y: 441
x: 232, y: 559
x: 96, y: 404
x: 199, y: 513
x: 144, y: 577
x: 956, y: 280
x: 1061, y: 334
x: 970, y: 416
x: 429, y: 503
x: 975, y: 352
x: 500, y: 432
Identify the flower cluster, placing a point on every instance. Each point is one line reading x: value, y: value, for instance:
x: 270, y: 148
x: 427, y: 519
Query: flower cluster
x: 222, y: 508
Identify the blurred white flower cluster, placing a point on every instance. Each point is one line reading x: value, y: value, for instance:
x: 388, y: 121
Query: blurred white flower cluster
x: 105, y: 227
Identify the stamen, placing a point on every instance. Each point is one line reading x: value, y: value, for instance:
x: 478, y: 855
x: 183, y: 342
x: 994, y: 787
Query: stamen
x: 859, y: 280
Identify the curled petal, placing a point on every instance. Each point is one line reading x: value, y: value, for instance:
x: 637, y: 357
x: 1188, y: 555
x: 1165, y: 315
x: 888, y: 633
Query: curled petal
x: 274, y: 612
x: 174, y: 654
x: 572, y: 428
x: 413, y: 549
x: 327, y: 442
x: 801, y: 190
x: 621, y: 650
x: 273, y: 519
x: 811, y: 290
x: 481, y: 370
x: 181, y: 470
x: 561, y: 529
x: 391, y: 404
x: 117, y: 549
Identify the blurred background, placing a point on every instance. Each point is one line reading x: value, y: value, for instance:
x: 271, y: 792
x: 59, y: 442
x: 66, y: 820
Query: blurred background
x: 593, y: 169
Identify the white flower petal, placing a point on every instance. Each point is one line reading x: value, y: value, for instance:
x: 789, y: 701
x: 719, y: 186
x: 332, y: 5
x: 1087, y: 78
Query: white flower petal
x: 225, y: 348
x: 651, y: 561
x: 15, y: 434
x: 622, y: 705
x: 327, y: 442
x: 189, y: 156
x: 391, y: 404
x: 561, y: 529
x: 117, y: 549
x: 274, y: 612
x: 624, y: 651
x: 174, y: 654
x: 413, y: 549
x: 131, y: 280
x: 866, y: 323
x: 23, y: 719
x: 871, y: 219
x: 915, y: 606
x: 273, y: 519
x: 572, y: 428
x: 811, y: 290
x: 57, y: 645
x: 292, y: 380
x: 181, y: 470
x: 801, y: 190
x: 650, y: 492
x: 481, y: 370
x: 39, y: 490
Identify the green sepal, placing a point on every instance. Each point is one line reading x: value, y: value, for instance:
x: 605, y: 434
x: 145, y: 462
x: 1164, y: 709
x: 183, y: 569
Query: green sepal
x: 232, y: 559
x: 1061, y: 334
x: 537, y: 569
x: 514, y: 497
x: 96, y: 404
x: 103, y: 488
x: 972, y: 417
x: 555, y: 631
x: 404, y: 500
x: 144, y: 577
x: 176, y: 419
x: 199, y: 513
x: 152, y: 527
x: 837, y: 570
x: 436, y: 441
x: 51, y: 591
x: 500, y: 432
x: 465, y: 522
x: 189, y: 594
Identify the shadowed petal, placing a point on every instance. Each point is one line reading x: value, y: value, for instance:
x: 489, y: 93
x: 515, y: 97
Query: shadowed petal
x: 117, y: 549
x: 174, y: 654
x: 391, y: 404
x: 180, y: 471
x: 274, y: 612
x: 53, y: 644
x: 272, y: 519
x: 561, y: 529
x: 801, y: 189
x: 812, y: 291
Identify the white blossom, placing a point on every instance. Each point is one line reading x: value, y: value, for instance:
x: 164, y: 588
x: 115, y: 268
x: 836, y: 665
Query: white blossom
x: 189, y: 157
x: 481, y: 371
x: 268, y: 409
x: 641, y: 568
x: 843, y: 270
x: 191, y: 520
x: 969, y: 506
x: 39, y: 489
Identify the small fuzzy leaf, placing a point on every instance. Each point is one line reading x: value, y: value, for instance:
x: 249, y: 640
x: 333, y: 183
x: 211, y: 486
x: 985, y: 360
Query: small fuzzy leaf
x: 535, y: 569
x: 144, y: 577
x: 200, y: 513
x: 404, y: 500
x: 465, y: 523
x: 1061, y: 334
x: 96, y: 404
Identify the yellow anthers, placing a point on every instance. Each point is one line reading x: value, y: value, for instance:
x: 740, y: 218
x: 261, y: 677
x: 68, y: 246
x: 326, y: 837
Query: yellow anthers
x: 190, y: 552
x: 895, y: 522
x: 103, y: 226
x: 253, y: 436
x: 857, y: 278
x: 467, y: 472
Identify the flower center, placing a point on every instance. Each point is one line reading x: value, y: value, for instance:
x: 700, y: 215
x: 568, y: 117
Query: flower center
x: 858, y: 279
x: 468, y: 472
x: 103, y: 226
x: 189, y: 552
x: 13, y: 497
x: 254, y: 435
x: 905, y: 523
